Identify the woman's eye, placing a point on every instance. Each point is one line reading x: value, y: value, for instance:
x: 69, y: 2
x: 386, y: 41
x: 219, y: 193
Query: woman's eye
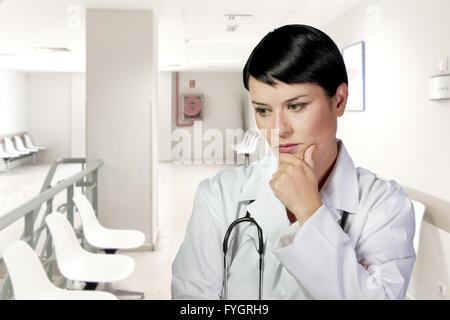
x: 262, y: 111
x: 297, y: 106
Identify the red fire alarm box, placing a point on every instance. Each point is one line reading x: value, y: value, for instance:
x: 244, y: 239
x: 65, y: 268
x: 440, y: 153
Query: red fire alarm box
x: 192, y: 106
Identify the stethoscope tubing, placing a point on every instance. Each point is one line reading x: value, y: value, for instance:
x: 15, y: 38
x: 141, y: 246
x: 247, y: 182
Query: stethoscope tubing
x: 249, y: 219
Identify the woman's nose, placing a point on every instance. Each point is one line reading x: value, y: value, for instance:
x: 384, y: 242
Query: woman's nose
x: 282, y: 123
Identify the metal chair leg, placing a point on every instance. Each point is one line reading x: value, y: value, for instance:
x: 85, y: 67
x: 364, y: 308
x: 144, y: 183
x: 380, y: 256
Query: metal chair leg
x: 90, y: 286
x: 119, y: 292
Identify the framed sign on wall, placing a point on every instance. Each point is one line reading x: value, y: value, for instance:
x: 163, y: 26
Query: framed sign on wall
x: 354, y: 62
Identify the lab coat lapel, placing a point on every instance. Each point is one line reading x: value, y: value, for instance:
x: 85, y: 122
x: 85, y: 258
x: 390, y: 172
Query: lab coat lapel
x: 341, y: 190
x: 266, y: 209
x: 260, y: 177
x: 270, y: 214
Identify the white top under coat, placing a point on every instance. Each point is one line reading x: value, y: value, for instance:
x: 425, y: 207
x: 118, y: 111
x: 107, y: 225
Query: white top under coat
x: 316, y: 261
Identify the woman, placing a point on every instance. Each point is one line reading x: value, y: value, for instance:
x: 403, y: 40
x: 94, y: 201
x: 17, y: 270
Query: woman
x: 313, y: 248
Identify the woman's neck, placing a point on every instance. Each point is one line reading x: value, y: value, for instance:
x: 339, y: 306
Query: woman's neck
x: 329, y: 167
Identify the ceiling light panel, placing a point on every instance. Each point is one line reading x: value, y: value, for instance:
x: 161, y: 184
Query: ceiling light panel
x: 242, y: 17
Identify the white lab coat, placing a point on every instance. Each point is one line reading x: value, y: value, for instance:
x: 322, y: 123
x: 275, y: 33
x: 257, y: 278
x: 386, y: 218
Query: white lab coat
x: 315, y: 261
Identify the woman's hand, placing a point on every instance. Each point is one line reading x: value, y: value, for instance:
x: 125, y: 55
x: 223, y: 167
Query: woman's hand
x: 295, y: 184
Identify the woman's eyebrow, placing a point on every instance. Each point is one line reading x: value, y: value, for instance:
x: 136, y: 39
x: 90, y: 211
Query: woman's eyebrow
x: 294, y: 98
x: 288, y: 100
x: 260, y: 103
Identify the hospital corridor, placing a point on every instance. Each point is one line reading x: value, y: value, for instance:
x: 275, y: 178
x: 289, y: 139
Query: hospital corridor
x: 192, y: 150
x: 152, y: 274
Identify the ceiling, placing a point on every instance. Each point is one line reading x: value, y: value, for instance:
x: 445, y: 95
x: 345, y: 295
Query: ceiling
x: 192, y: 34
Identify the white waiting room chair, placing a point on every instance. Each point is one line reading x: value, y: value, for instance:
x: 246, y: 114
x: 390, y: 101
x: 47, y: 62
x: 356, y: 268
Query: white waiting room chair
x: 419, y: 210
x: 109, y: 240
x: 77, y: 264
x: 29, y: 143
x: 21, y: 147
x: 100, y: 237
x: 10, y: 148
x: 249, y: 144
x: 30, y: 282
x: 6, y: 156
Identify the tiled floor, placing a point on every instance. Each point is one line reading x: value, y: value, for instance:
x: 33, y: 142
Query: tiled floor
x: 177, y: 185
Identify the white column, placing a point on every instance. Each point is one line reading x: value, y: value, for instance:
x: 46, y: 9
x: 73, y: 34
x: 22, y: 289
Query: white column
x: 120, y: 83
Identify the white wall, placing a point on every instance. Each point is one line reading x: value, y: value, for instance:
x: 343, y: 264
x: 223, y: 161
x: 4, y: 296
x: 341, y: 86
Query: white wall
x: 164, y: 111
x: 48, y: 114
x: 403, y: 135
x: 224, y: 103
x: 154, y: 133
x: 402, y: 131
x: 56, y: 114
x: 13, y: 102
x: 78, y: 115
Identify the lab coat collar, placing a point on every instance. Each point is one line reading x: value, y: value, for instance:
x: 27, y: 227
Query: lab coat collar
x: 340, y: 191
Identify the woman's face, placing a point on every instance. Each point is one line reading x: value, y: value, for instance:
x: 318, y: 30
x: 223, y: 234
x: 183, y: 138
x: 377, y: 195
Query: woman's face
x: 303, y: 114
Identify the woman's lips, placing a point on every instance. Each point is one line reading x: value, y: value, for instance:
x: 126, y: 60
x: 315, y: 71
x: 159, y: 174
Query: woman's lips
x: 287, y: 148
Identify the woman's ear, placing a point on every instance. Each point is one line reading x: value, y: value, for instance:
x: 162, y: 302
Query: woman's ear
x: 340, y: 98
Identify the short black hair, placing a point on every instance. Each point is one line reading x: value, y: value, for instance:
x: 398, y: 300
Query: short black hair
x: 297, y: 53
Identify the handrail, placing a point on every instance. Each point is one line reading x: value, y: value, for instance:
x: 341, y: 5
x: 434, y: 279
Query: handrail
x: 30, y: 210
x: 30, y: 205
x: 51, y: 172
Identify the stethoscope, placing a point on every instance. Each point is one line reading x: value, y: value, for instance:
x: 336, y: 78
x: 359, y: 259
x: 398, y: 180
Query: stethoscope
x: 248, y: 218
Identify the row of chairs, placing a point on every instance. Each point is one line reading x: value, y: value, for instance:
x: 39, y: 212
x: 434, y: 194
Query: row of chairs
x: 10, y: 151
x: 30, y: 281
